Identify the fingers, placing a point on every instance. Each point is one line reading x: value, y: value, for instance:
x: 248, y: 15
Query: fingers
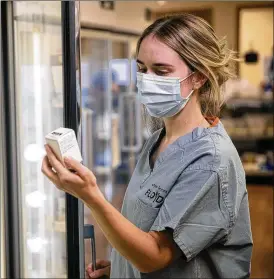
x: 98, y: 273
x: 81, y: 170
x: 58, y: 179
x: 56, y: 164
x: 99, y: 264
x: 47, y: 170
x: 102, y: 268
x: 75, y: 165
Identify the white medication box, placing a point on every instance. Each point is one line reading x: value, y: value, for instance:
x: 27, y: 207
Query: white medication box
x: 63, y: 142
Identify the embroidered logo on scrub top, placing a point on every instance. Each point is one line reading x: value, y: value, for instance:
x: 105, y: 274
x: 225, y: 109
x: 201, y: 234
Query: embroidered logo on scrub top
x: 155, y: 195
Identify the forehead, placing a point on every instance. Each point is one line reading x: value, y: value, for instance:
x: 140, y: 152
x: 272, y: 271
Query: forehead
x: 152, y: 51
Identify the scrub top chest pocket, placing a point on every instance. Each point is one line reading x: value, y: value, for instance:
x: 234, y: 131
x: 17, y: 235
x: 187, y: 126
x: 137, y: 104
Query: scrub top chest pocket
x: 144, y: 215
x: 147, y: 191
x: 148, y: 200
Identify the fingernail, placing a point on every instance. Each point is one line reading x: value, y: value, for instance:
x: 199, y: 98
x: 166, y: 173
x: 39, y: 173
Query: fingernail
x: 66, y: 159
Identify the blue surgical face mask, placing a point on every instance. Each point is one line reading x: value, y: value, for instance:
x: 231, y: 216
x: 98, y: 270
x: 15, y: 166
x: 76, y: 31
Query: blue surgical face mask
x: 161, y: 95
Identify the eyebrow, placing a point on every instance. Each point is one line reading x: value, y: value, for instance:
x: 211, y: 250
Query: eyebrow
x: 155, y: 64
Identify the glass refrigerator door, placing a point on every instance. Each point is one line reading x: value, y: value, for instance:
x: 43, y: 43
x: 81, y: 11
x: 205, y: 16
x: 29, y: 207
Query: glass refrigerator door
x: 39, y: 110
x: 96, y: 113
x: 109, y: 141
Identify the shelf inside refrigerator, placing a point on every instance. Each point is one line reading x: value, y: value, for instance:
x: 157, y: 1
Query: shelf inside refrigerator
x: 59, y: 226
x: 103, y: 170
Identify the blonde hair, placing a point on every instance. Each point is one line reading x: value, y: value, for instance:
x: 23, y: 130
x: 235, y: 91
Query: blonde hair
x: 197, y: 44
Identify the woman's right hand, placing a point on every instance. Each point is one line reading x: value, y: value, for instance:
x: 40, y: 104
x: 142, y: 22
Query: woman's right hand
x: 102, y: 269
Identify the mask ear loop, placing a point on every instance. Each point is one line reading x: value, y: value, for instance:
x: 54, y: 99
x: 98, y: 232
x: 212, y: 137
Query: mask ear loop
x: 182, y: 79
x: 191, y: 92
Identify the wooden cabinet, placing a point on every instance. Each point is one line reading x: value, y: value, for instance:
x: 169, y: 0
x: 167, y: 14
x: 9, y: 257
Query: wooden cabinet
x: 261, y: 214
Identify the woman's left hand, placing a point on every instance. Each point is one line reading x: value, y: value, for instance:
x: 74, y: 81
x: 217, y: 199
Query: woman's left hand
x: 81, y: 184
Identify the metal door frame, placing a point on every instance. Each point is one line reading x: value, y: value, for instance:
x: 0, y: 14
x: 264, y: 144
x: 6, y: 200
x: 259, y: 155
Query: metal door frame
x: 3, y: 175
x: 11, y: 190
x: 72, y: 119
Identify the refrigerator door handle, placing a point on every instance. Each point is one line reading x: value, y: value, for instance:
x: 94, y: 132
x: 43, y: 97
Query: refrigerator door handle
x: 89, y: 234
x: 137, y: 125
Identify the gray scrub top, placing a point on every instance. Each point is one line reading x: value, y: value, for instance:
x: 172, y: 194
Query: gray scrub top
x: 196, y: 191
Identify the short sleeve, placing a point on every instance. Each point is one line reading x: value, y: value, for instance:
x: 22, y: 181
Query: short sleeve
x: 193, y: 209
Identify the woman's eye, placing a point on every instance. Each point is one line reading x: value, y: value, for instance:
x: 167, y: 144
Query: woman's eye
x: 161, y: 73
x: 141, y: 70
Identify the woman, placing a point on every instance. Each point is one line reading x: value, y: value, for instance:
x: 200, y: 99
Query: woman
x: 185, y: 212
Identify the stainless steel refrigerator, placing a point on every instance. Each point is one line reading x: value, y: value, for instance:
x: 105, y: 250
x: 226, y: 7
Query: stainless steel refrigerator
x: 42, y: 227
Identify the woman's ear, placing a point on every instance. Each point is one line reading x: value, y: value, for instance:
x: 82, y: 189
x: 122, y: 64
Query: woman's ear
x: 198, y: 80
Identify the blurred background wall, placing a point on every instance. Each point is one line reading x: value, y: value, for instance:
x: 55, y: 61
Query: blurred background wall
x: 130, y: 15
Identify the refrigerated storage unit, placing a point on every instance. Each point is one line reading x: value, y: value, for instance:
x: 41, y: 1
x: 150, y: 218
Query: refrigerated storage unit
x: 115, y: 126
x: 42, y: 91
x: 47, y: 84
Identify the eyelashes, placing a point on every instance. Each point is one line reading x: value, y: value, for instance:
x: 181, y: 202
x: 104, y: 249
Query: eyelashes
x: 158, y: 73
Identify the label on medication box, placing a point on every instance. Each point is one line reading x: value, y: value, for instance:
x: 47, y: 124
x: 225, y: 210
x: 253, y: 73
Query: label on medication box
x: 63, y: 142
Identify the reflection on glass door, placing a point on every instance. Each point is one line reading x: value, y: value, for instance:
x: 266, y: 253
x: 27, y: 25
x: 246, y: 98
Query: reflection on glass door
x: 96, y: 113
x: 111, y: 122
x: 39, y: 93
